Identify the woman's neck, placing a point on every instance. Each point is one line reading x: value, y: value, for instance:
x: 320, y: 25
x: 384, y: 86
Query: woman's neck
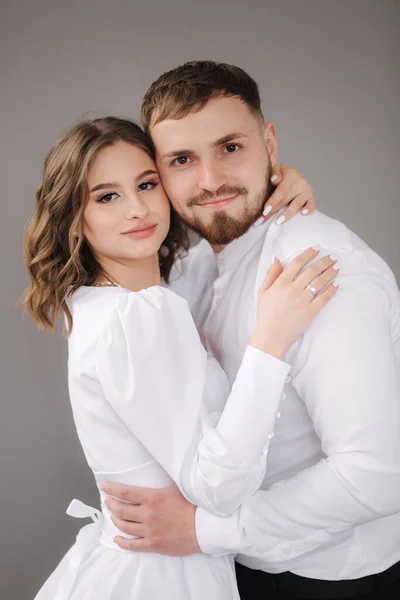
x: 135, y: 276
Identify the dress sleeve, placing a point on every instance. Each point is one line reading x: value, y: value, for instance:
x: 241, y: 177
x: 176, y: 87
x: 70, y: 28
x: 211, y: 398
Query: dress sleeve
x: 152, y: 368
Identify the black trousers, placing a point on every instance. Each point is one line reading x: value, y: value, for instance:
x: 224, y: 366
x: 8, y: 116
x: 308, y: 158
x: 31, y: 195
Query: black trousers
x: 258, y: 585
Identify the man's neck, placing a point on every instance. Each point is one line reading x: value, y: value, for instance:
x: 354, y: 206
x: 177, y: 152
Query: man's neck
x: 218, y: 248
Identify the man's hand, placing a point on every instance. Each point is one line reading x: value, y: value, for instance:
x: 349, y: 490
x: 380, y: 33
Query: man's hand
x: 163, y: 519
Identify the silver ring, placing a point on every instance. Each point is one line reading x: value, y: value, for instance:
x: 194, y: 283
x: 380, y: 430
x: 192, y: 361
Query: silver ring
x: 312, y: 289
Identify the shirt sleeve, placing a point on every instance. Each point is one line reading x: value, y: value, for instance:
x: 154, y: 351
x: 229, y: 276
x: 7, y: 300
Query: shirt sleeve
x: 346, y: 370
x: 152, y: 368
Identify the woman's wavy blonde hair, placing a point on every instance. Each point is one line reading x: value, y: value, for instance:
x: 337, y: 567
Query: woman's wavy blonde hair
x: 56, y: 254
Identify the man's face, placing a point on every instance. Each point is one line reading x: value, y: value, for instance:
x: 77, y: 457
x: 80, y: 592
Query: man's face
x: 215, y: 166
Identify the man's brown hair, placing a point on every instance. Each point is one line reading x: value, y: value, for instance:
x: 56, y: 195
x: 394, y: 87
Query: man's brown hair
x: 189, y: 87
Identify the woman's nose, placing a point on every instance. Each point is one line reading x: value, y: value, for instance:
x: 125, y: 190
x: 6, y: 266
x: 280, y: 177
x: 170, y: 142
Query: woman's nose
x: 136, y: 208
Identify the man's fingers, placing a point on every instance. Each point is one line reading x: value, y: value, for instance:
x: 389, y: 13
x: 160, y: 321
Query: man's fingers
x: 123, y: 510
x: 129, y: 527
x: 127, y: 493
x: 138, y: 544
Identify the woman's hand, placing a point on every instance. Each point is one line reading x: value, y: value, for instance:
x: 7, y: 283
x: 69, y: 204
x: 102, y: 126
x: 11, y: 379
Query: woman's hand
x: 292, y: 190
x: 290, y: 299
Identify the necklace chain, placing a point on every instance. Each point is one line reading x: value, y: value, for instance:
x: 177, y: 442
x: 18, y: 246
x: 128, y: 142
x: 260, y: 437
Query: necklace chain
x: 107, y: 283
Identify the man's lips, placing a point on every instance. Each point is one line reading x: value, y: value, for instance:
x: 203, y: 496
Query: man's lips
x: 218, y: 202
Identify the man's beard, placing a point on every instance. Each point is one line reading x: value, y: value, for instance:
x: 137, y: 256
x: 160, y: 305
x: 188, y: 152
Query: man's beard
x: 223, y: 229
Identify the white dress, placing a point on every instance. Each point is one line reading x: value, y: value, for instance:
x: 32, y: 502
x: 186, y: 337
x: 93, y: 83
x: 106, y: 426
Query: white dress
x: 151, y: 407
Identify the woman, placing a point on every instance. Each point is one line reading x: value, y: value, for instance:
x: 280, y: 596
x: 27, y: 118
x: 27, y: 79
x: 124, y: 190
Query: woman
x: 149, y: 405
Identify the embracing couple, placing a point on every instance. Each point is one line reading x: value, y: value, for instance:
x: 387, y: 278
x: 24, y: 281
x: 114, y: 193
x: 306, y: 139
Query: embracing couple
x: 238, y: 402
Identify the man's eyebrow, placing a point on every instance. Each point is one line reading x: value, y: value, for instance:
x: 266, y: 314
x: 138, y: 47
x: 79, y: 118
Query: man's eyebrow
x: 223, y: 140
x: 229, y: 138
x: 115, y: 184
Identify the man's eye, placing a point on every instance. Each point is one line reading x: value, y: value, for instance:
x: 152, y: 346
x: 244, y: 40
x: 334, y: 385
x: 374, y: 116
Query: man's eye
x: 181, y: 160
x: 230, y: 148
x: 107, y: 197
x: 146, y: 186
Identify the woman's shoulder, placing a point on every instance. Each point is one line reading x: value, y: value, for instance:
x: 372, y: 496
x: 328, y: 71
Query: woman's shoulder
x: 93, y: 308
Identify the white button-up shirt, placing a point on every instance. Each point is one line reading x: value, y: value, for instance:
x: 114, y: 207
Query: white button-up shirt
x: 329, y: 506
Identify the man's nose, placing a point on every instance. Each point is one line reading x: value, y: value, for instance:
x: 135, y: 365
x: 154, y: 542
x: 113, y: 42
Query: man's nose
x: 211, y: 176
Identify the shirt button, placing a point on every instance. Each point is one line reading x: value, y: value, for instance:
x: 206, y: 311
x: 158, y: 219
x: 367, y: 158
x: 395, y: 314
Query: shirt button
x: 283, y: 397
x: 288, y: 379
x: 278, y: 414
x: 265, y: 451
x: 271, y: 435
x: 221, y: 262
x: 217, y: 300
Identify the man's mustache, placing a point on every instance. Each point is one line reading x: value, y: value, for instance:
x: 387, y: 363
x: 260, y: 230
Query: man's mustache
x: 224, y: 191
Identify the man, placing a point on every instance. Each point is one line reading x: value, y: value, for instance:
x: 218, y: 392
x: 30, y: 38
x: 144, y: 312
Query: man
x: 326, y: 523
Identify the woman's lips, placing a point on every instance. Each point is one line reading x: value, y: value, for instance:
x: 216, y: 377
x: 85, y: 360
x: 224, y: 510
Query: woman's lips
x: 140, y: 234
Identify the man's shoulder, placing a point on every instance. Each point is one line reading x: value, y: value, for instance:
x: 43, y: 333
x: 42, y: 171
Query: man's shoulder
x: 302, y: 232
x: 356, y: 257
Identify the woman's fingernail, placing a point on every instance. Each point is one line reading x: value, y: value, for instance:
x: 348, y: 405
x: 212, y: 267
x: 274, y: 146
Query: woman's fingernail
x: 336, y: 267
x: 259, y: 221
x: 267, y: 210
x: 273, y: 259
x: 274, y: 177
x: 317, y: 248
x: 333, y: 257
x: 305, y: 211
x: 280, y: 220
x: 335, y: 284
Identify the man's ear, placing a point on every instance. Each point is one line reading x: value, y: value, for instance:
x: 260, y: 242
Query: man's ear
x: 271, y: 142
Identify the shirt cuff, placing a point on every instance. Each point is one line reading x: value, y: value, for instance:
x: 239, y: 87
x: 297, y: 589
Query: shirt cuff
x: 216, y: 535
x: 248, y: 420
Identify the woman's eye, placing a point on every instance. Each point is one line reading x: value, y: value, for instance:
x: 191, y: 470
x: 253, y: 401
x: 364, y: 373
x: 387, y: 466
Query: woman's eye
x: 107, y: 197
x: 181, y: 160
x: 147, y: 186
x: 230, y: 148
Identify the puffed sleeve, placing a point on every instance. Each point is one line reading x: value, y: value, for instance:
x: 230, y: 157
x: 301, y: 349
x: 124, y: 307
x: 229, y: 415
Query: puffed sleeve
x: 152, y: 368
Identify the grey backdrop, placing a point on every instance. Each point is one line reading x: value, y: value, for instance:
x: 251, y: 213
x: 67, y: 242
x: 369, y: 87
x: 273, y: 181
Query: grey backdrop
x: 328, y: 73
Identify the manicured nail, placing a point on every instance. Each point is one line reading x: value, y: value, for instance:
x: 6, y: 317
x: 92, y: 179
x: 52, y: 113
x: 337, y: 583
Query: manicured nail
x: 336, y: 267
x: 259, y: 222
x: 274, y: 177
x: 317, y: 248
x: 280, y: 220
x: 305, y: 211
x: 333, y: 257
x: 267, y: 210
x: 273, y: 259
x: 335, y: 284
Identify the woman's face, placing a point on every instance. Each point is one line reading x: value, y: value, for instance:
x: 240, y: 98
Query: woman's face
x: 127, y: 214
